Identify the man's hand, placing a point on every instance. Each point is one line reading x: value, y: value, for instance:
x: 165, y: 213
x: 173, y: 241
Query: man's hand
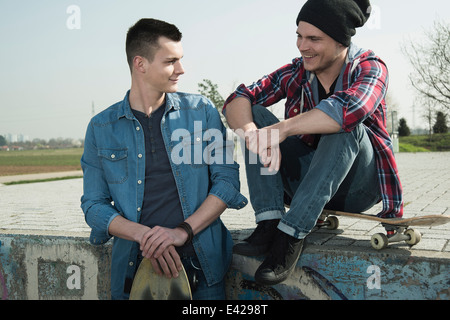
x: 158, y: 244
x: 265, y: 143
x: 168, y: 264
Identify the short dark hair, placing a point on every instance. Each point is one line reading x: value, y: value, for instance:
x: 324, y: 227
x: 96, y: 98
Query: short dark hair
x: 143, y: 37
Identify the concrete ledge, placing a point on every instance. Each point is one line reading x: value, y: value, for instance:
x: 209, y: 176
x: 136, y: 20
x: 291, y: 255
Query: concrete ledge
x: 59, y: 267
x: 347, y: 268
x: 326, y: 273
x: 46, y: 267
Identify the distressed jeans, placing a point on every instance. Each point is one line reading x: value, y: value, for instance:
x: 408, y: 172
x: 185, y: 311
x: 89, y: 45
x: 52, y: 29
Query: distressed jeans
x: 341, y: 174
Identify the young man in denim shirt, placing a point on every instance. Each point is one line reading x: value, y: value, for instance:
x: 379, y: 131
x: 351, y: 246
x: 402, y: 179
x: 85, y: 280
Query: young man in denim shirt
x: 149, y: 180
x: 331, y: 151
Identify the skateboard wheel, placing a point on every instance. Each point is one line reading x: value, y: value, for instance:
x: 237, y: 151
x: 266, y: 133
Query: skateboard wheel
x: 414, y: 237
x: 379, y: 241
x: 332, y: 223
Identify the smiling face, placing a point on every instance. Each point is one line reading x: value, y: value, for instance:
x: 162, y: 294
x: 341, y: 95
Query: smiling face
x: 163, y: 72
x: 321, y: 53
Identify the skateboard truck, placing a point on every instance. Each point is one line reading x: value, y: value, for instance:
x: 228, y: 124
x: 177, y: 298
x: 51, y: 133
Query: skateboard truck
x: 410, y: 236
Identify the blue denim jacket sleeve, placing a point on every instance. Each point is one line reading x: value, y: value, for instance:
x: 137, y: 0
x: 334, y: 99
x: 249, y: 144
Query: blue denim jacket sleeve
x: 224, y: 172
x: 96, y: 201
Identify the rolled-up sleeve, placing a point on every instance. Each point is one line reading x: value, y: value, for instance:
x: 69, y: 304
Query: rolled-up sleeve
x: 354, y: 105
x: 267, y: 91
x: 224, y: 172
x: 228, y: 193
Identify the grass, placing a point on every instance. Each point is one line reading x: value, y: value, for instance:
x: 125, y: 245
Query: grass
x: 49, y: 157
x: 406, y: 147
x: 39, y: 161
x: 423, y: 143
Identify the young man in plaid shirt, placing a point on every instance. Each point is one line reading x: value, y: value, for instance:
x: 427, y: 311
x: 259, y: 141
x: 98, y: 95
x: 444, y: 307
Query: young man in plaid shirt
x: 331, y: 151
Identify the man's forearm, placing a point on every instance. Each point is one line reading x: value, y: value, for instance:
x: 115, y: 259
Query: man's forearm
x: 126, y: 229
x: 311, y: 122
x: 207, y: 213
x: 239, y: 114
x: 158, y: 239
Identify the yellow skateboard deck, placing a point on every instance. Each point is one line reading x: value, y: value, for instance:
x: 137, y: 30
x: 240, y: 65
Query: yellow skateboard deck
x: 148, y: 285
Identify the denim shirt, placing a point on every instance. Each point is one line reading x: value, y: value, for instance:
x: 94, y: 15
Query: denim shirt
x: 113, y: 165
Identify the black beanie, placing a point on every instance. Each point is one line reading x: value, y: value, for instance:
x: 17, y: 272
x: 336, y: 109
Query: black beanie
x: 336, y: 18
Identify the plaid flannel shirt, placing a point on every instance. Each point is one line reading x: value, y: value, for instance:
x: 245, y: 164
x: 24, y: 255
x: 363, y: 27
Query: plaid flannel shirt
x: 361, y: 100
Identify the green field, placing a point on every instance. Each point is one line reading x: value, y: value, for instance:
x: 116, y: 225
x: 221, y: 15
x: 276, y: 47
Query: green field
x: 34, y: 161
x: 437, y: 142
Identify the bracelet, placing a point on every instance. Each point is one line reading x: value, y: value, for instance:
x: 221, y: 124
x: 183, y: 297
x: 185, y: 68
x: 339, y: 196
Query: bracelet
x: 187, y: 227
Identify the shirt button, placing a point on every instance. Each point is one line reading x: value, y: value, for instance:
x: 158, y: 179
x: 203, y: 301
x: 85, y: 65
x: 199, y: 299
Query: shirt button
x: 295, y: 110
x: 139, y: 209
x: 139, y: 181
x: 138, y: 128
x: 131, y: 263
x: 140, y: 156
x: 113, y: 156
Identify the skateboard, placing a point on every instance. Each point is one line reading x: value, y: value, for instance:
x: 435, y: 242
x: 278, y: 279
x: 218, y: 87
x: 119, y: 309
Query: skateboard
x: 380, y: 241
x: 148, y: 285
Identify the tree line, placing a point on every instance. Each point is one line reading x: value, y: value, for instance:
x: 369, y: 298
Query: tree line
x: 54, y: 143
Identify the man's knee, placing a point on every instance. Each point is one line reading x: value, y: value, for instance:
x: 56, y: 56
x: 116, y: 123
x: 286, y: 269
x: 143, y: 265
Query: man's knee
x: 262, y: 117
x: 356, y: 136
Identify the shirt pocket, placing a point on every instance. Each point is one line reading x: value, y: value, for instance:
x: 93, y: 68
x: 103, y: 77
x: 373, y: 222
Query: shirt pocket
x: 115, y: 164
x: 193, y: 147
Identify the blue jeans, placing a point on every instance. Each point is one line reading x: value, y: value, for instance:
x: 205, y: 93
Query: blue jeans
x: 340, y: 174
x: 202, y: 291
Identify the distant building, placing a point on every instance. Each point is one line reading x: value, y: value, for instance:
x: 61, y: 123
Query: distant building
x: 14, y: 138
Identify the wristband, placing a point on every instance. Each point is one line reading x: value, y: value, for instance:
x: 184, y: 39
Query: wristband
x: 187, y: 227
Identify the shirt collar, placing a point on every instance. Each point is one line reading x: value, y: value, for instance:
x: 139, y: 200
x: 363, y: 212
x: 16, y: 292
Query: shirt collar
x: 125, y: 109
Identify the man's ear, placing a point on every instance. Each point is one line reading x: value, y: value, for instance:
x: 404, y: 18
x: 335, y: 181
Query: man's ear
x: 139, y: 64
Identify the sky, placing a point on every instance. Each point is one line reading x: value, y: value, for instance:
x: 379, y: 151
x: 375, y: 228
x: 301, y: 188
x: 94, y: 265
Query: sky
x: 62, y: 60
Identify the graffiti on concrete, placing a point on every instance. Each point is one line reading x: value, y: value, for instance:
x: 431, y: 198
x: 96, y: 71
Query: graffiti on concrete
x: 323, y: 283
x: 263, y: 290
x: 36, y: 268
x: 60, y: 271
x: 311, y: 279
x: 4, y: 290
x: 317, y: 285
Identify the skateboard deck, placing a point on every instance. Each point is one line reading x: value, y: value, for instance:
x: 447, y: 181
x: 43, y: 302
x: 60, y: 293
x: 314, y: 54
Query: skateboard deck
x: 148, y: 285
x: 380, y: 240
